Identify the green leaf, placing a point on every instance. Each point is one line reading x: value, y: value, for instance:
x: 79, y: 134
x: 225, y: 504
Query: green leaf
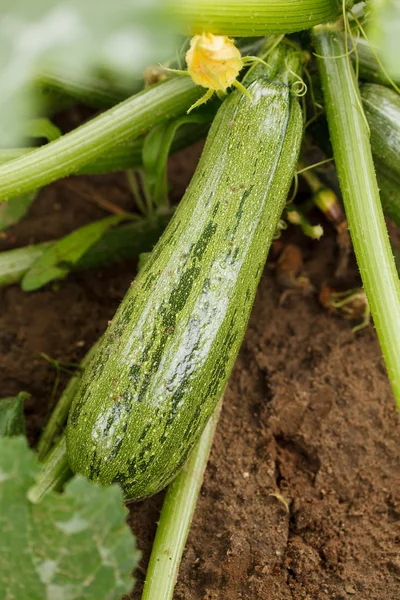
x: 14, y: 210
x: 70, y: 546
x: 12, y: 415
x: 58, y: 260
x: 384, y: 32
x: 156, y: 148
x: 41, y: 128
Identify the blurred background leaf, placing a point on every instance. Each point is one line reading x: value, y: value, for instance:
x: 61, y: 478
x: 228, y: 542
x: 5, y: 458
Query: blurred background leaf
x: 12, y: 415
x: 384, y: 32
x: 118, y: 39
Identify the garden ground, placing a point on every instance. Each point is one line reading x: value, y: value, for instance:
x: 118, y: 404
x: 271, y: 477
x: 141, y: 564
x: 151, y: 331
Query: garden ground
x: 308, y: 419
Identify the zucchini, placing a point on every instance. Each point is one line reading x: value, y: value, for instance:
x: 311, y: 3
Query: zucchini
x: 389, y: 190
x: 382, y: 109
x: 164, y: 360
x: 366, y: 59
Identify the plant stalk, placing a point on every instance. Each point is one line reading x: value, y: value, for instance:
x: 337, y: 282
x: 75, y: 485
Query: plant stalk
x: 59, y: 415
x: 252, y: 17
x: 125, y: 156
x: 353, y: 157
x: 176, y: 516
x: 86, y: 143
x: 55, y: 472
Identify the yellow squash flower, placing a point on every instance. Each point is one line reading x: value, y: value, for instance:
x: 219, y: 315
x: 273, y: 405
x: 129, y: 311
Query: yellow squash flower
x: 213, y: 61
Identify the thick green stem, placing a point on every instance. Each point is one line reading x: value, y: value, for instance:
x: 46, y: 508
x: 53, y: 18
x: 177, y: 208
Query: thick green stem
x: 125, y: 156
x: 252, y: 17
x: 72, y: 151
x: 54, y: 474
x: 59, y: 415
x: 352, y: 151
x: 119, y: 158
x: 176, y: 516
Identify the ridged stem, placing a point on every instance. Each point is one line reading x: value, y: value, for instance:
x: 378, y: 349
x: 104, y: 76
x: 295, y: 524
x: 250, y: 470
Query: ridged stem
x: 353, y: 157
x: 55, y: 472
x: 176, y: 516
x: 89, y: 141
x: 252, y: 17
x: 58, y: 417
x: 125, y: 156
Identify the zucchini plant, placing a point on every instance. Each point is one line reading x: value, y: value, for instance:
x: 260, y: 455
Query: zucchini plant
x: 146, y: 401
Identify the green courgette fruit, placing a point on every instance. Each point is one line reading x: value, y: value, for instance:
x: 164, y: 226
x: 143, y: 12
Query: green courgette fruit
x: 164, y: 360
x: 389, y: 190
x: 366, y: 59
x: 382, y: 109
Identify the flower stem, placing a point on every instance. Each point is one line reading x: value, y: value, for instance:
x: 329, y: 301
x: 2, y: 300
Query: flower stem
x: 176, y: 515
x: 72, y: 151
x: 352, y: 151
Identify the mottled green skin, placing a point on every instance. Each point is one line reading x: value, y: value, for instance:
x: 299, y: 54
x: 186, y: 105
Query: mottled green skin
x: 382, y: 109
x: 166, y: 357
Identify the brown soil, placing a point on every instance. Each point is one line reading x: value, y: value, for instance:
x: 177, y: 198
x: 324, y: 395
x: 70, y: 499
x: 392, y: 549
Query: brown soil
x: 308, y: 419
